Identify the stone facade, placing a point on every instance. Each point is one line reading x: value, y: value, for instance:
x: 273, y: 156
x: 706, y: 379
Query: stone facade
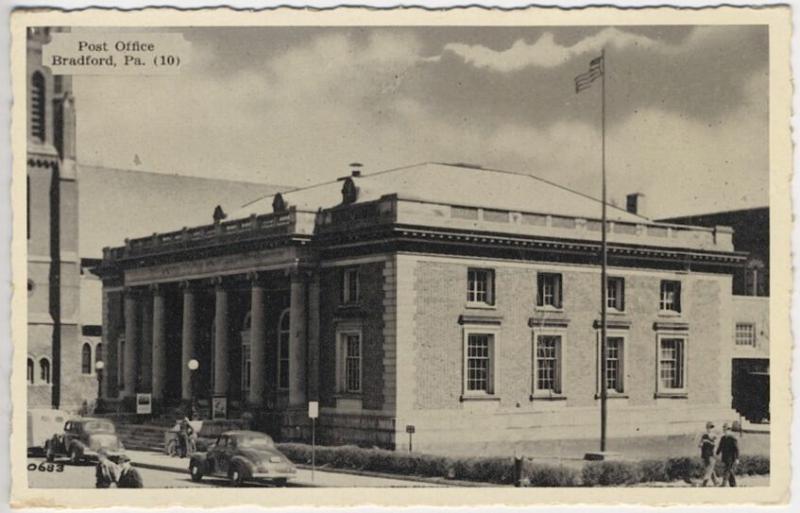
x: 440, y: 410
x: 54, y: 346
x: 358, y: 299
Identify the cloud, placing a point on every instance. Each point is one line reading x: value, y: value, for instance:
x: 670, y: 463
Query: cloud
x: 545, y: 52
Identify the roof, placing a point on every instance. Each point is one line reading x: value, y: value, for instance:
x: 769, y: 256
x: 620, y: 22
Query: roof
x: 452, y: 184
x: 119, y: 203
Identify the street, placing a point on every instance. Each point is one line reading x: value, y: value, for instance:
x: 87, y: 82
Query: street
x: 82, y: 476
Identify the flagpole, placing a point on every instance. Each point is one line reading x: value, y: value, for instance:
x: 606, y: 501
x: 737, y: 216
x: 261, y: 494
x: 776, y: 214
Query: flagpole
x: 603, y: 279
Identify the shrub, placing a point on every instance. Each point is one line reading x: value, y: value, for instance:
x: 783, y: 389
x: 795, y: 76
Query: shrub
x: 754, y: 465
x: 653, y: 470
x: 540, y: 474
x: 684, y: 469
x: 605, y: 473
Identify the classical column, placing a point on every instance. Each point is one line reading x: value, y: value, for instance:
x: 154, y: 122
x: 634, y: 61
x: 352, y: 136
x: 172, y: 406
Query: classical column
x: 221, y: 340
x: 146, y: 344
x: 313, y: 337
x: 297, y: 339
x: 187, y: 340
x: 258, y: 343
x: 130, y: 371
x: 159, y: 348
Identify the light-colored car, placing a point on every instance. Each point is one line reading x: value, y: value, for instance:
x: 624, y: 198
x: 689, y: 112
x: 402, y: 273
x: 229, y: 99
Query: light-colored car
x: 42, y: 423
x: 81, y: 439
x: 243, y: 456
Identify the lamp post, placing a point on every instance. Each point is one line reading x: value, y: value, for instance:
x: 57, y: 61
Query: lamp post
x: 98, y: 367
x: 193, y: 365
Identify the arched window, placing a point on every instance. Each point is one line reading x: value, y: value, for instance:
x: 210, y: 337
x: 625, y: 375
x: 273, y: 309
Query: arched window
x: 30, y: 371
x: 44, y: 370
x: 38, y: 106
x: 283, y: 350
x: 86, y: 358
x: 98, y: 352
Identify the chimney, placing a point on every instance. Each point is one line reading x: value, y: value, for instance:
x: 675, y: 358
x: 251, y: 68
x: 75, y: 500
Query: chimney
x: 634, y: 203
x: 355, y: 169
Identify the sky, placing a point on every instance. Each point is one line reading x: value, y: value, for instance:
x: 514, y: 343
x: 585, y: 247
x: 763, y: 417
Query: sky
x: 687, y: 108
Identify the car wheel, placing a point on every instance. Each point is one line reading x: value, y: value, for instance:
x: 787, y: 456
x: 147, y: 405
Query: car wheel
x: 75, y: 456
x: 281, y: 481
x: 48, y: 453
x: 195, y: 471
x: 236, y: 475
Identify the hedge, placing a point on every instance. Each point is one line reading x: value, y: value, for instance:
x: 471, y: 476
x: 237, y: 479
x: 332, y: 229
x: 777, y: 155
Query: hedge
x: 605, y: 473
x: 498, y: 470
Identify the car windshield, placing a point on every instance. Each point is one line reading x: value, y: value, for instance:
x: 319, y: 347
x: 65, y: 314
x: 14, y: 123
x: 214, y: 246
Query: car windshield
x: 254, y: 442
x: 99, y: 425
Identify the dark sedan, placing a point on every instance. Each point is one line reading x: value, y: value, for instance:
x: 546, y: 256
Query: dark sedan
x: 243, y: 456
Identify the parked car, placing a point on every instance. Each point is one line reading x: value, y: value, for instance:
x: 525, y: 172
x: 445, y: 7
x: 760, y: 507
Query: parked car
x: 42, y: 423
x: 82, y: 438
x: 243, y: 456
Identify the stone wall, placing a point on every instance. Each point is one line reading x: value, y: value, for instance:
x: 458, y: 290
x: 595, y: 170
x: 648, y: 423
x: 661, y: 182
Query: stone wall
x: 432, y: 342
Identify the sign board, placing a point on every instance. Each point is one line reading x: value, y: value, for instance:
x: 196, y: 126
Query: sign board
x: 219, y: 407
x: 313, y: 409
x: 410, y: 429
x: 144, y: 404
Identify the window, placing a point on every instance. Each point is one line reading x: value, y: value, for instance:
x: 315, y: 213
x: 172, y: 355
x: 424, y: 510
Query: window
x: 615, y: 294
x: 86, y: 359
x: 615, y: 364
x: 350, y: 286
x: 547, y: 364
x: 44, y: 370
x: 479, y: 350
x: 671, y: 364
x: 284, y: 334
x: 38, y: 106
x: 549, y: 290
x: 350, y: 362
x: 670, y: 296
x: 745, y: 334
x: 30, y: 371
x: 480, y: 286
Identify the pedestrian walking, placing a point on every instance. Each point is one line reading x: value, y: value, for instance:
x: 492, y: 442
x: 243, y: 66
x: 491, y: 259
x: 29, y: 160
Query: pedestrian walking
x: 105, y: 471
x: 185, y: 438
x: 128, y: 475
x: 728, y: 449
x: 708, y: 442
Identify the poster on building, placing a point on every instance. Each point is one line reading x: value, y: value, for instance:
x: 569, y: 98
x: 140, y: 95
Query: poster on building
x: 144, y: 404
x: 465, y: 235
x: 219, y: 407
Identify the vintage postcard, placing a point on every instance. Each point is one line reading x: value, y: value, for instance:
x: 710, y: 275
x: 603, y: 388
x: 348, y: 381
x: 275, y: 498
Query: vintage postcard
x: 462, y: 257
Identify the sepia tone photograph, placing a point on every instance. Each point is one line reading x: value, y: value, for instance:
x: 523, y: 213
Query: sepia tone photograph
x: 382, y: 255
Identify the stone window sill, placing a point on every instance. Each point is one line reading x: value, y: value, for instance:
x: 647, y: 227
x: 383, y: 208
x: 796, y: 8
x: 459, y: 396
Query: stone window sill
x: 480, y: 306
x: 668, y: 313
x: 547, y: 397
x: 613, y: 395
x: 549, y: 309
x: 477, y: 397
x: 672, y: 395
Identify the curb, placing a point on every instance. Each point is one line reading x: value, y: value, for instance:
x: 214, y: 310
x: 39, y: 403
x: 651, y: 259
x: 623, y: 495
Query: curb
x: 418, y: 479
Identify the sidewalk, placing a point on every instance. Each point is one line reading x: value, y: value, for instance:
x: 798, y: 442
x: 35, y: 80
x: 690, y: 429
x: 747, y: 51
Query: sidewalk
x: 322, y: 478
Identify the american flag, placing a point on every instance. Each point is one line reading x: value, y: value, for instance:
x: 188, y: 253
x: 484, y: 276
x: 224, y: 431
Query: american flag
x: 584, y: 80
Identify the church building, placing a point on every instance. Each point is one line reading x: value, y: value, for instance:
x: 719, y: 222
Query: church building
x: 459, y: 300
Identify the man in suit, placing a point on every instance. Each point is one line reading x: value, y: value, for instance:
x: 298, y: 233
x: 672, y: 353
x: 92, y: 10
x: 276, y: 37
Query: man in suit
x: 128, y: 476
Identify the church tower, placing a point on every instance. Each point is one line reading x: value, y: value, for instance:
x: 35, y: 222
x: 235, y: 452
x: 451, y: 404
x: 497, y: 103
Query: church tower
x: 54, y: 366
